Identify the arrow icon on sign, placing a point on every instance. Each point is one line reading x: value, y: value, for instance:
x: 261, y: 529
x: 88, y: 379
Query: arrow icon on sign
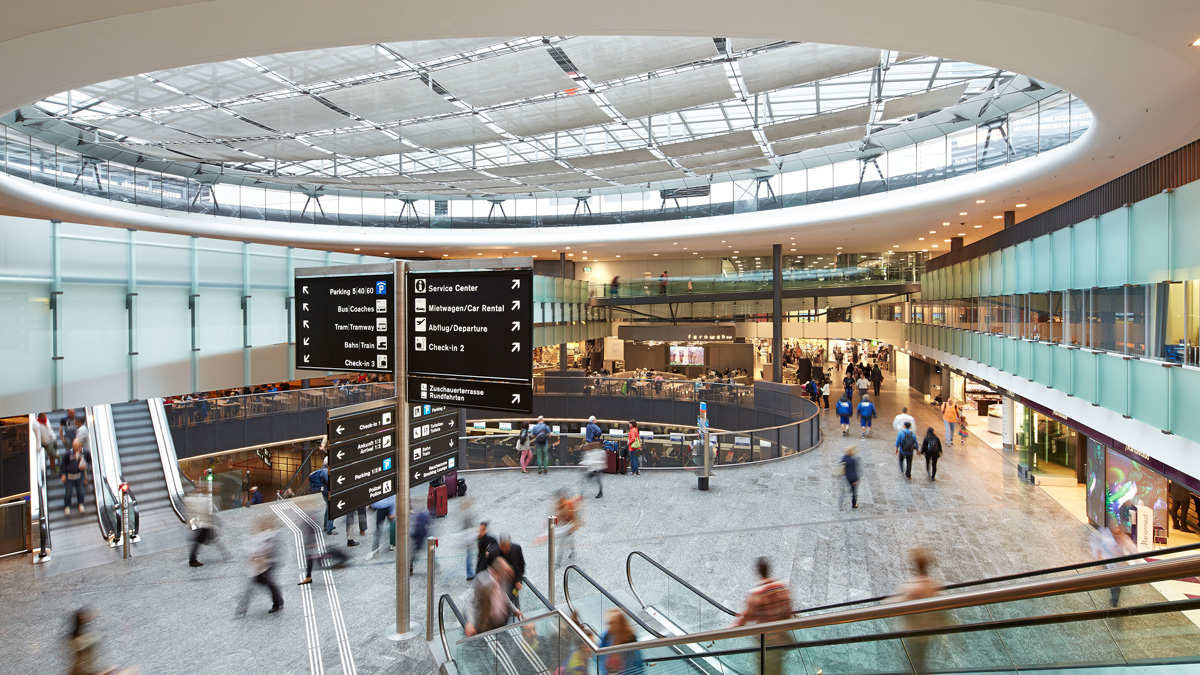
x: 305, y: 341
x: 516, y: 398
x: 516, y: 304
x: 304, y: 306
x: 341, y: 479
x: 516, y: 326
x: 306, y: 358
x: 304, y: 290
x: 304, y: 323
x: 341, y: 503
x: 340, y: 429
x: 516, y: 283
x: 516, y: 346
x: 341, y: 454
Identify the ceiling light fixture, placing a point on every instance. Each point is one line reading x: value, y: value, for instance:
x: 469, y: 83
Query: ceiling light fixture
x: 946, y: 240
x: 1196, y: 43
x: 1021, y: 206
x: 980, y: 201
x: 839, y: 248
x: 920, y: 238
x: 417, y: 251
x: 961, y: 213
x: 945, y: 223
x: 618, y: 255
x: 934, y: 246
x: 655, y: 255
x: 997, y: 217
x: 585, y: 257
x: 962, y: 234
x: 978, y: 226
x: 933, y: 232
x: 358, y: 249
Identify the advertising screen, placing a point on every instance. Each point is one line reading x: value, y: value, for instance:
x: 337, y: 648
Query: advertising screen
x: 687, y: 356
x: 1129, y: 483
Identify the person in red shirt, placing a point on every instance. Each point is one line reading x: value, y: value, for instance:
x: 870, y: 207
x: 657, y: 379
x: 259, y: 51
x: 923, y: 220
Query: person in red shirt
x: 769, y: 601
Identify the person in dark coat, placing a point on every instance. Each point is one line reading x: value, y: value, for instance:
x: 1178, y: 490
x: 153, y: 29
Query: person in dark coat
x: 515, y: 558
x: 931, y: 447
x: 876, y: 378
x: 850, y: 466
x: 487, y: 547
x: 1180, y: 501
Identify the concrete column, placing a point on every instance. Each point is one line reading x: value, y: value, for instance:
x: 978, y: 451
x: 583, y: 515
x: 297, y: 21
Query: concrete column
x: 777, y: 313
x: 1009, y: 435
x: 1010, y: 219
x: 945, y: 384
x: 956, y: 243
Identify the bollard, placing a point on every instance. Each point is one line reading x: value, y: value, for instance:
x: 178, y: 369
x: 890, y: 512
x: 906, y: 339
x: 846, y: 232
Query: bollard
x: 550, y: 523
x: 430, y: 545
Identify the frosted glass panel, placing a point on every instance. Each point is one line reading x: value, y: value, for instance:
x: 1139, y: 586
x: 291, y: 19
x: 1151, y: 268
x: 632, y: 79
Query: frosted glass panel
x: 268, y: 317
x: 1024, y: 260
x: 1148, y: 392
x: 1113, y: 233
x: 100, y: 257
x: 164, y: 341
x: 220, y: 266
x: 1083, y: 254
x: 1151, y: 249
x: 1061, y: 379
x: 219, y: 321
x: 1062, y: 260
x: 25, y: 344
x: 268, y: 267
x: 95, y: 339
x: 1114, y: 382
x: 164, y: 264
x: 25, y: 248
x: 1040, y: 280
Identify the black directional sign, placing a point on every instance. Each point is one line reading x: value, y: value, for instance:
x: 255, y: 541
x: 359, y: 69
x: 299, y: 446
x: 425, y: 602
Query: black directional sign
x: 369, y: 492
x: 351, y: 426
x: 363, y: 449
x: 433, y: 433
x: 434, y: 467
x: 502, y: 396
x: 472, y: 329
x: 345, y: 322
x: 439, y: 446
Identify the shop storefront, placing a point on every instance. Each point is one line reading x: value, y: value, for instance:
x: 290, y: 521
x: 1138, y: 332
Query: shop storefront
x: 1050, y: 450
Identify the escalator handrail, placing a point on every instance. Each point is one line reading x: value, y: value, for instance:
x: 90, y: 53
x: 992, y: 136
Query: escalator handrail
x: 672, y: 575
x: 37, y: 466
x: 1159, y: 570
x: 1170, y: 606
x: 603, y: 591
x: 99, y: 442
x: 443, y: 601
x: 167, y: 456
x: 528, y: 584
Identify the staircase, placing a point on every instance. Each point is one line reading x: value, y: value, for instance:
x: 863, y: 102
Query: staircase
x: 142, y: 467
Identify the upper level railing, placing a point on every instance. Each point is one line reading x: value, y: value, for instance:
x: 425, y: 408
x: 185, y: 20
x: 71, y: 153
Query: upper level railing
x: 1050, y: 123
x: 182, y: 412
x: 759, y: 280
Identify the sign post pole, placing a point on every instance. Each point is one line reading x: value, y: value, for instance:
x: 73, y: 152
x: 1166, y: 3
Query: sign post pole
x: 550, y: 523
x: 430, y: 546
x: 404, y: 627
x: 704, y: 447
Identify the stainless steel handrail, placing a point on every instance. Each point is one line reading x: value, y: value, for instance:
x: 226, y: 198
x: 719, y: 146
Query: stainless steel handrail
x: 1161, y: 570
x: 603, y: 591
x: 39, y: 508
x: 672, y: 575
x: 167, y: 456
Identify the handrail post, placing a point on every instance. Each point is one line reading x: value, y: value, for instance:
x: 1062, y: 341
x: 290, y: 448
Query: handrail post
x: 430, y: 545
x: 125, y: 520
x: 551, y: 521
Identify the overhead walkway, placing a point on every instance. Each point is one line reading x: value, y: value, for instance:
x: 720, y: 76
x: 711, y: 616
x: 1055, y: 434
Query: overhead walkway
x: 759, y: 285
x: 1060, y: 619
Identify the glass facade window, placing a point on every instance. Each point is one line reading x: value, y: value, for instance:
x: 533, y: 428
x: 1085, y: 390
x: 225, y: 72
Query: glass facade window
x: 1046, y: 445
x: 1038, y: 316
x: 1106, y: 319
x: 1137, y: 300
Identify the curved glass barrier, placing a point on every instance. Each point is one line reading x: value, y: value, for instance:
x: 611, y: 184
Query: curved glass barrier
x: 1050, y: 123
x: 674, y: 600
x: 836, y: 276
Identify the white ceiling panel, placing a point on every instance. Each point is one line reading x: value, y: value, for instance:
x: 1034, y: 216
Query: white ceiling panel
x: 327, y: 180
x: 634, y: 169
x: 603, y: 58
x: 818, y: 141
x: 613, y: 159
x: 738, y: 139
x: 153, y: 151
x: 568, y: 112
x: 672, y: 92
x: 390, y: 100
x: 581, y: 185
x: 651, y: 178
x: 429, y: 50
x: 554, y: 178
x: 514, y: 190
x: 448, y: 133
x: 212, y: 123
x: 135, y: 93
x: 531, y: 169
x: 508, y: 77
x: 803, y: 63
x: 368, y: 143
x: 283, y: 149
x: 323, y: 65
x: 919, y: 103
x: 451, y: 176
x: 818, y: 123
x: 386, y: 179
x: 212, y: 151
x: 711, y: 158
x: 742, y: 44
x: 485, y: 184
x: 295, y: 114
x: 219, y: 81
x: 732, y: 166
x: 142, y: 128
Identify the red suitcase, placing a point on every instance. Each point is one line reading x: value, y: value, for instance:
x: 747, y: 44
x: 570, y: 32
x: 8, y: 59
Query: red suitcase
x: 616, y: 463
x: 451, y: 482
x: 437, y: 501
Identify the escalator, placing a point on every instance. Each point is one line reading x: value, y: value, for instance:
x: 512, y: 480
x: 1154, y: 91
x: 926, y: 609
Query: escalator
x: 1061, y: 619
x: 147, y: 465
x: 512, y: 651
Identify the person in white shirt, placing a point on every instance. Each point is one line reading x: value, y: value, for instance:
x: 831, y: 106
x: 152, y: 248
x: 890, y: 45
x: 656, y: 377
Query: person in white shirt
x: 898, y: 422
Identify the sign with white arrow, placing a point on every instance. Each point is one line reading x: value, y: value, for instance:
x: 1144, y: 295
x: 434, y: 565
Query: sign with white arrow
x: 364, y: 493
x: 342, y: 428
x: 363, y: 445
x: 470, y: 338
x: 345, y: 322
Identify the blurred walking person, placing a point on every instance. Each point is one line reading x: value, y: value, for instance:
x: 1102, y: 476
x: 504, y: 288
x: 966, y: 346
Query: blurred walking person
x: 416, y: 536
x: 619, y: 632
x: 825, y: 392
x: 83, y: 645
x: 47, y: 439
x: 313, y: 554
x: 513, y: 555
x: 931, y: 447
x: 385, y: 514
x: 493, y: 608
x: 595, y: 460
x: 918, y: 587
x: 876, y: 378
x: 262, y: 566
x: 1111, y: 542
x: 318, y: 481
x: 850, y: 473
x: 486, y: 548
x: 200, y: 510
x: 769, y: 601
x: 362, y: 525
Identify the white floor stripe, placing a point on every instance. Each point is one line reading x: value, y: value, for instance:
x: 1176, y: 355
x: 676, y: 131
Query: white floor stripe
x: 315, y: 662
x: 335, y: 605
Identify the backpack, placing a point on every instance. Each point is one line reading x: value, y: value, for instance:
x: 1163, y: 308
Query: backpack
x: 314, y: 481
x: 908, y: 443
x: 543, y: 435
